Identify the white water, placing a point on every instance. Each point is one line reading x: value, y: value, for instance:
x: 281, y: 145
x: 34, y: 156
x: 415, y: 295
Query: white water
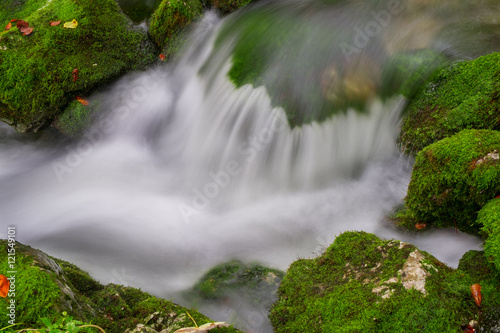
x: 184, y: 172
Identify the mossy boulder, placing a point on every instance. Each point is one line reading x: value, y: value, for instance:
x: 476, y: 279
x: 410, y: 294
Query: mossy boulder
x: 228, y: 6
x: 38, y: 76
x: 50, y: 291
x: 253, y: 281
x: 465, y: 95
x: 169, y: 21
x: 364, y: 284
x: 481, y: 271
x: 453, y: 179
x: 489, y: 218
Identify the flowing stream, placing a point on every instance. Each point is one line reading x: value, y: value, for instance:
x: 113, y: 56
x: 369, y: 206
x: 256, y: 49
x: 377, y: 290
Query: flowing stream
x: 181, y: 171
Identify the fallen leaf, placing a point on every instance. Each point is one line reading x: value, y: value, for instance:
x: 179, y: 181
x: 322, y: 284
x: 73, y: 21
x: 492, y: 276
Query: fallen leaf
x: 22, y: 24
x: 420, y: 226
x: 469, y: 329
x: 162, y: 56
x: 26, y: 31
x: 476, y: 293
x: 75, y: 74
x: 9, y: 25
x: 71, y: 25
x: 54, y: 23
x: 4, y: 286
x: 82, y: 100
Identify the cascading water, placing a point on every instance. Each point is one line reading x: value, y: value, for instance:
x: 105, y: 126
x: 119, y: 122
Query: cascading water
x: 181, y: 170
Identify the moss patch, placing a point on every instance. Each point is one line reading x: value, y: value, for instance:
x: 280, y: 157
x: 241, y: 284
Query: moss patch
x: 169, y: 20
x: 36, y: 80
x: 453, y: 178
x: 341, y: 291
x: 489, y: 218
x: 54, y: 293
x: 462, y: 96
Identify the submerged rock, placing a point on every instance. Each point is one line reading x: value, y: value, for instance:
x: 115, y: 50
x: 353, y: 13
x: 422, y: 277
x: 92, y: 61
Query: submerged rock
x: 41, y: 73
x: 364, y: 284
x: 56, y: 290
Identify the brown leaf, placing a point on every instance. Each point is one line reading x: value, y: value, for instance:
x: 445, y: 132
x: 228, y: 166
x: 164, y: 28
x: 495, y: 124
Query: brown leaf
x: 476, y: 293
x: 420, y: 225
x: 75, y: 74
x: 26, y: 31
x: 9, y: 25
x: 54, y: 23
x: 162, y: 56
x: 82, y: 100
x: 22, y: 24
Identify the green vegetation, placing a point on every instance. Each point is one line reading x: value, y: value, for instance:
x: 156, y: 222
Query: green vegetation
x: 228, y: 6
x: 253, y: 281
x: 462, y: 96
x: 453, y: 178
x: 489, y: 218
x: 75, y: 118
x: 337, y: 292
x: 36, y: 81
x: 170, y: 19
x: 55, y: 294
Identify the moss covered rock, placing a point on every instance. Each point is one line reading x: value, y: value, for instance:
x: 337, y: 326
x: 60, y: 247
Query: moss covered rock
x: 364, y: 284
x: 42, y: 72
x: 170, y: 20
x: 228, y: 6
x: 465, y: 95
x: 453, y: 178
x: 489, y: 218
x: 256, y: 283
x: 52, y: 292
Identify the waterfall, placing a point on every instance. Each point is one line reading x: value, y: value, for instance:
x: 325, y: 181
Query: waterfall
x: 183, y: 169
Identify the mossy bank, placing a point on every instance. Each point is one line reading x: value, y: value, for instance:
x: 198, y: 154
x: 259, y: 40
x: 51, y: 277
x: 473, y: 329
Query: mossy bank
x: 51, y: 292
x: 364, y: 284
x: 42, y: 72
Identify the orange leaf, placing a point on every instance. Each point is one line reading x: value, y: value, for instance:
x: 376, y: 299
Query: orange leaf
x: 13, y: 20
x: 26, y: 31
x: 22, y: 24
x: 4, y: 286
x: 9, y: 25
x: 75, y: 74
x: 476, y: 293
x: 54, y: 23
x: 82, y: 100
x: 420, y: 225
x: 162, y: 56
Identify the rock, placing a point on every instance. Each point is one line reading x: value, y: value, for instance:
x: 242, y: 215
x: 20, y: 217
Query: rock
x: 228, y: 6
x: 446, y: 105
x: 169, y: 21
x: 364, y: 284
x: 36, y: 81
x: 449, y: 186
x: 489, y: 218
x: 68, y: 295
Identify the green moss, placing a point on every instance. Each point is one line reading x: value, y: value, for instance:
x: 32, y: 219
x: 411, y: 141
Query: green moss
x: 169, y: 20
x: 36, y: 81
x: 229, y: 6
x: 462, y: 96
x: 36, y: 293
x: 453, y: 178
x: 256, y: 282
x: 334, y: 292
x: 489, y: 218
x: 75, y: 118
